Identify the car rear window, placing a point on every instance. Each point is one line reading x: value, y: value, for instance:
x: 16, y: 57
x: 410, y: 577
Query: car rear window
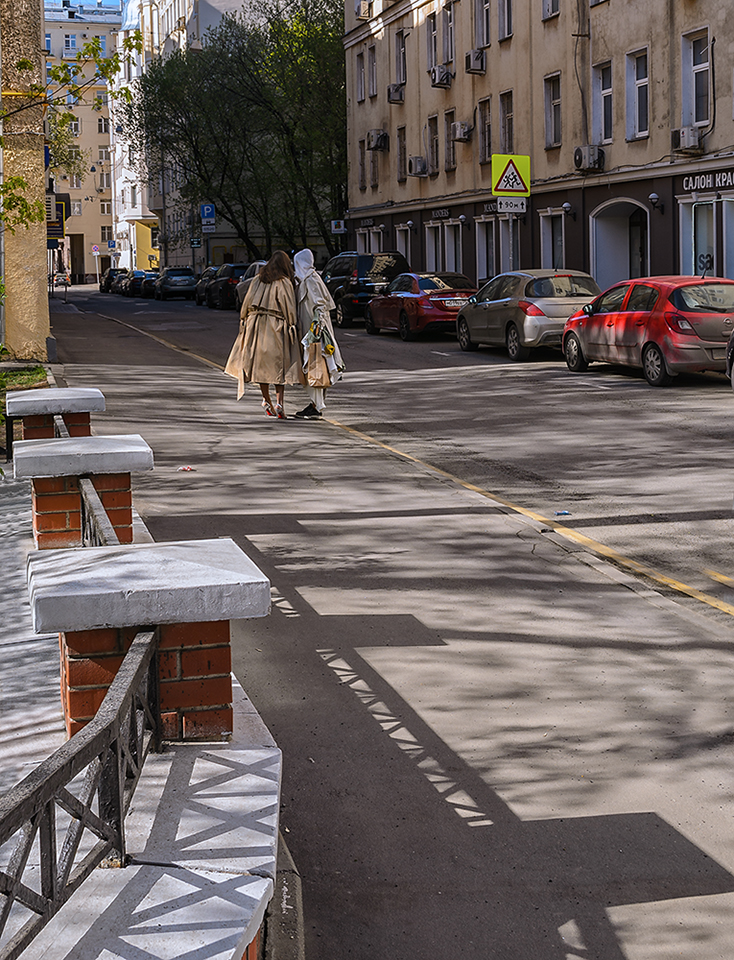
x: 383, y: 266
x: 446, y: 281
x: 562, y: 285
x: 704, y: 298
x: 181, y: 272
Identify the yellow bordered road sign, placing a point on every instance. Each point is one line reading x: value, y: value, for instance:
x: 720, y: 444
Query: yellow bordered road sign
x: 510, y: 175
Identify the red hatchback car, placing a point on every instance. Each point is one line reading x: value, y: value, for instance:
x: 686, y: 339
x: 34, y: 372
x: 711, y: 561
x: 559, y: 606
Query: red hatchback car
x: 415, y: 302
x: 666, y: 325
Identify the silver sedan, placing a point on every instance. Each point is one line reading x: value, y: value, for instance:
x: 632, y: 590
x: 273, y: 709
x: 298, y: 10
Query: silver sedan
x: 523, y: 309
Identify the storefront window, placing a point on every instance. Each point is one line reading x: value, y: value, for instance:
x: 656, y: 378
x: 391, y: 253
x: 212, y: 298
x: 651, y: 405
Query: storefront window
x: 486, y: 267
x: 703, y: 238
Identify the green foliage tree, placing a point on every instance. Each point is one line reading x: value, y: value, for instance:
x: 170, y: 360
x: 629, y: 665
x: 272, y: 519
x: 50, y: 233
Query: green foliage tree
x: 254, y: 122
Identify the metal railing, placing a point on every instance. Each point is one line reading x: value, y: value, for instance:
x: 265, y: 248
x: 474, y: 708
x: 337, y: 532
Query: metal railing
x: 105, y: 760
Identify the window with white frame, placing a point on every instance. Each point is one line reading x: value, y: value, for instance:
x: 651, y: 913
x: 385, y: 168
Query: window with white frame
x: 452, y: 246
x: 48, y: 42
x: 553, y: 110
x: 363, y: 241
x: 505, y: 17
x: 104, y: 153
x: 105, y: 180
x: 550, y: 8
x: 105, y: 208
x: 102, y: 45
x: 133, y: 195
x: 76, y: 208
x: 482, y: 33
x: 360, y: 77
x: 507, y: 123
x: 372, y: 70
x: 75, y: 181
x: 402, y: 240
x: 375, y: 240
x: 431, y: 41
x: 362, y: 164
x: 434, y: 257
x: 696, y: 79
x: 638, y: 95
x: 450, y: 150
x: 433, y: 145
x: 485, y: 130
x: 106, y: 234
x: 485, y: 239
x: 69, y: 43
x: 103, y: 125
x: 602, y: 103
x: 401, y: 72
x: 448, y: 33
x: 552, y: 252
x: 402, y: 156
x: 75, y: 127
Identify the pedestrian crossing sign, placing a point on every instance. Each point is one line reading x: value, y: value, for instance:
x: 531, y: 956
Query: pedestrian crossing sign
x: 510, y: 175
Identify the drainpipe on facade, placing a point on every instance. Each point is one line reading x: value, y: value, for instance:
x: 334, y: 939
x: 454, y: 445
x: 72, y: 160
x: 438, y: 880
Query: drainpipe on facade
x: 2, y: 220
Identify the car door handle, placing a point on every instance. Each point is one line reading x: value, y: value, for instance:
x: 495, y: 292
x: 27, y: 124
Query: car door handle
x: 639, y: 323
x: 610, y: 323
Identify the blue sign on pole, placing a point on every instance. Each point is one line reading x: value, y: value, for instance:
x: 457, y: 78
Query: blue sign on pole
x: 207, y: 212
x: 110, y: 244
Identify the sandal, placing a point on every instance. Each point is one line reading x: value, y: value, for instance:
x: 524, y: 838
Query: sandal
x: 280, y: 412
x: 269, y: 409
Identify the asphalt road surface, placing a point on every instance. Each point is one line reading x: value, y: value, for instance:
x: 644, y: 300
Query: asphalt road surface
x: 500, y: 653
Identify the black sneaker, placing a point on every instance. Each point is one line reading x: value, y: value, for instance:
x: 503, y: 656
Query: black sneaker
x: 308, y: 413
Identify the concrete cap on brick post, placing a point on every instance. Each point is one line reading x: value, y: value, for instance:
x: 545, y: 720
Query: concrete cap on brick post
x: 53, y: 400
x: 144, y: 584
x: 81, y: 456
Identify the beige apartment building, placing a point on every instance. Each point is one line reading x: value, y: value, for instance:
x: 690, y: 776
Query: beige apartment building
x: 89, y: 243
x: 625, y: 108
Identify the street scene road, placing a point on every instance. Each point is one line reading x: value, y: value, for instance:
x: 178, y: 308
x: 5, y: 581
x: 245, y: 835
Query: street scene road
x: 501, y: 738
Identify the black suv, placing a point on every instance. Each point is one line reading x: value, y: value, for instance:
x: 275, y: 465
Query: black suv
x: 220, y: 289
x: 354, y: 278
x: 105, y: 281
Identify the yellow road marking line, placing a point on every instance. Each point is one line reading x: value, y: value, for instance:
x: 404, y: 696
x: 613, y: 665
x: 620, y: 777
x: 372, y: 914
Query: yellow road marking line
x: 567, y: 532
x: 720, y: 577
x: 165, y: 343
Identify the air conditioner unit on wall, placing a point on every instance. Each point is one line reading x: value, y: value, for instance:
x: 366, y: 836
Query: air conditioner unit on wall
x: 461, y: 130
x: 475, y: 61
x: 378, y: 140
x: 441, y: 76
x: 417, y: 167
x: 588, y: 157
x: 686, y: 140
x: 396, y: 93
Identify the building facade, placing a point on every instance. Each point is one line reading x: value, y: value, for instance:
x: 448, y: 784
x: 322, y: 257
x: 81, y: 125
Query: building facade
x: 625, y: 109
x: 88, y: 246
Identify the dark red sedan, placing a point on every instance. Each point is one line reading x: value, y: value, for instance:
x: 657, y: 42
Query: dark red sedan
x: 415, y: 302
x: 666, y: 325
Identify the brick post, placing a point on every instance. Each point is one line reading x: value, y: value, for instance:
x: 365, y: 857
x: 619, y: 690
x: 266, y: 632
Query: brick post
x: 195, y: 682
x: 56, y: 503
x: 41, y: 426
x: 78, y: 424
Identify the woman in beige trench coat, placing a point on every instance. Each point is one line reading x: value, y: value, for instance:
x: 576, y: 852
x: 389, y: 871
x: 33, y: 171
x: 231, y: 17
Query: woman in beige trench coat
x: 267, y: 349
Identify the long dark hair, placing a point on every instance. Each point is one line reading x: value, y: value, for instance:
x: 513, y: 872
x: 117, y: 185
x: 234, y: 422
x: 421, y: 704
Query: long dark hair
x: 278, y: 267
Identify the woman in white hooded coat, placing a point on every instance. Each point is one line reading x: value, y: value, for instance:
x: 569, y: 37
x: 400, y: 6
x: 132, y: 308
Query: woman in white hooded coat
x: 314, y: 302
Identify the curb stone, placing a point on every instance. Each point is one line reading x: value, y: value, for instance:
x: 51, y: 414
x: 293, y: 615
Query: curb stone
x: 284, y: 932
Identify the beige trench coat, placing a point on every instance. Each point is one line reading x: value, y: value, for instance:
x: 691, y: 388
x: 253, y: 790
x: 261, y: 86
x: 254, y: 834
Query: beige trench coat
x: 267, y: 348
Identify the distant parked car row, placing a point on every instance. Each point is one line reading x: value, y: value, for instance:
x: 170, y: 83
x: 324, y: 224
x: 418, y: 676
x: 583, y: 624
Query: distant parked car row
x: 221, y: 287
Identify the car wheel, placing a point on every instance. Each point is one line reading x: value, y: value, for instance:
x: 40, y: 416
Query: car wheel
x: 465, y: 341
x: 369, y: 323
x: 653, y: 365
x: 575, y: 359
x: 341, y: 319
x: 404, y: 330
x: 515, y: 349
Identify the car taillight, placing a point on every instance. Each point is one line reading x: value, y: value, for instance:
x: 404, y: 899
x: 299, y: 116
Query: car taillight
x: 425, y: 303
x: 233, y: 280
x: 530, y: 309
x: 679, y: 324
x: 354, y: 275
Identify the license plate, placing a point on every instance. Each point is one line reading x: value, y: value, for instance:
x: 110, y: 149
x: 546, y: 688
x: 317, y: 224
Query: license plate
x: 718, y: 354
x: 455, y: 302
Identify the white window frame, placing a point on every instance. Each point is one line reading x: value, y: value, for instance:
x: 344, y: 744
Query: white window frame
x: 600, y: 96
x: 376, y: 240
x: 103, y: 124
x: 75, y: 127
x: 507, y: 143
x: 401, y: 71
x: 76, y: 208
x: 103, y: 153
x: 105, y: 208
x: 431, y: 40
x: 453, y: 246
x: 688, y: 79
x: 686, y: 215
x: 546, y: 238
x: 551, y: 8
x: 69, y: 43
x: 485, y: 129
x: 372, y: 70
x: 482, y: 22
x: 359, y: 79
x: 634, y: 86
x: 102, y: 45
x: 48, y: 43
x: 505, y: 19
x: 363, y: 241
x: 485, y: 227
x: 402, y: 240
x: 75, y: 181
x: 449, y: 33
x: 553, y: 117
x: 434, y: 247
x: 105, y: 233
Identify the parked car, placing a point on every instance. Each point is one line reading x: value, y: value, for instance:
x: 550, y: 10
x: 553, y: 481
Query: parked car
x: 147, y: 287
x: 666, y: 325
x: 355, y: 278
x: 247, y: 277
x: 416, y: 302
x: 523, y: 309
x: 119, y: 282
x: 61, y: 279
x: 201, y: 284
x: 220, y: 289
x: 133, y: 283
x: 175, y: 282
x: 105, y: 281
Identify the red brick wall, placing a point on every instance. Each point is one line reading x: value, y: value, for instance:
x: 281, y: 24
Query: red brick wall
x: 42, y: 427
x: 115, y: 492
x: 77, y: 424
x: 57, y: 509
x: 195, y: 681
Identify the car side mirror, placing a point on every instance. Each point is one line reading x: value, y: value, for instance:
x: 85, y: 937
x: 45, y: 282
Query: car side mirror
x: 472, y: 299
x: 588, y: 309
